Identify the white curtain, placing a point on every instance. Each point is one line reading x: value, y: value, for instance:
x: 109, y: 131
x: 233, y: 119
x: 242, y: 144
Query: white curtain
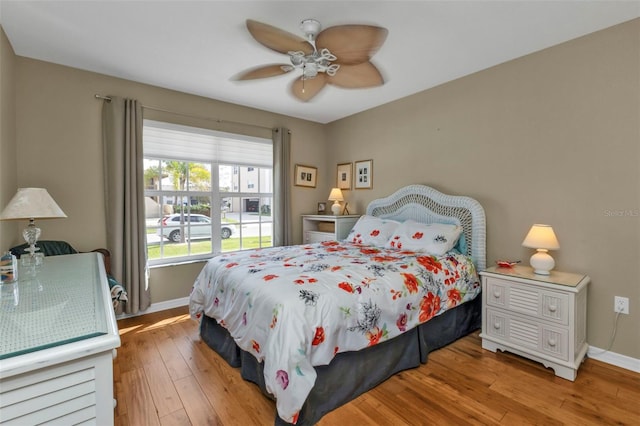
x: 124, y: 198
x: 282, y: 231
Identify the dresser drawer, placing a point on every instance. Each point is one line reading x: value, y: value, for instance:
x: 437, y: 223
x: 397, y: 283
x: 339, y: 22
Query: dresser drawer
x: 528, y: 334
x: 528, y: 300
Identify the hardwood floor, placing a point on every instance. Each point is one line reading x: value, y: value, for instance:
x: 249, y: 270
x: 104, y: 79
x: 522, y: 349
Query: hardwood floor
x: 164, y: 375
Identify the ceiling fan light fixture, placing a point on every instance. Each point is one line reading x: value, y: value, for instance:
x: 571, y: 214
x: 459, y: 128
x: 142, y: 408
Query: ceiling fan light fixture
x: 297, y: 58
x: 327, y: 55
x: 332, y: 69
x: 309, y: 70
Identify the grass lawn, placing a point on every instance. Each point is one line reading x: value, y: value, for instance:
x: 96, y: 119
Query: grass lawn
x: 204, y: 246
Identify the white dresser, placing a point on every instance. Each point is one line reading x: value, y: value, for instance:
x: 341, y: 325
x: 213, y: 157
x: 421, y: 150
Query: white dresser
x: 317, y: 227
x: 543, y: 318
x: 57, y: 338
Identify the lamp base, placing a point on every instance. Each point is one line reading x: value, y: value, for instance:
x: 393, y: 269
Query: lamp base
x: 335, y: 208
x: 31, y: 234
x: 542, y: 262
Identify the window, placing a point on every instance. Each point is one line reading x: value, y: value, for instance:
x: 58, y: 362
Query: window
x: 206, y: 192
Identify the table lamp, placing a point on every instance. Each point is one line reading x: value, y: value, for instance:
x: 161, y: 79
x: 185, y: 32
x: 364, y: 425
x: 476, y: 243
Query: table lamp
x: 336, y: 197
x: 542, y: 238
x: 31, y: 203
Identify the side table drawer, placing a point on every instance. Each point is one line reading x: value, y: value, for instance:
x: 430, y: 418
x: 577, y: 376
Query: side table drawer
x: 317, y: 237
x: 528, y: 300
x: 528, y: 333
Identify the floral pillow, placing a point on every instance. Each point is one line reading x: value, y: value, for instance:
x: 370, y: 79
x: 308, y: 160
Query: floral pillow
x: 434, y: 238
x: 371, y: 230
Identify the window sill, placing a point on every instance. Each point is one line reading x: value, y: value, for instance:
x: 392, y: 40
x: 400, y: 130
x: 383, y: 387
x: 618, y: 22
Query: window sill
x: 177, y: 263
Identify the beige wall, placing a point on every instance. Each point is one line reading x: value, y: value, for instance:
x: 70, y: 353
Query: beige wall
x: 59, y: 146
x: 8, y: 170
x: 553, y: 137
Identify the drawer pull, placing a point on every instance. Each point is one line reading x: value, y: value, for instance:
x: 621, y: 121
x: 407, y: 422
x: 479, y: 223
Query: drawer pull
x: 497, y: 294
x: 553, y: 308
x: 552, y: 342
x: 496, y: 325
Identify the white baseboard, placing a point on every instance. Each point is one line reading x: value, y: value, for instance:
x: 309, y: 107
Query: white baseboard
x: 608, y: 357
x: 613, y: 358
x: 159, y: 306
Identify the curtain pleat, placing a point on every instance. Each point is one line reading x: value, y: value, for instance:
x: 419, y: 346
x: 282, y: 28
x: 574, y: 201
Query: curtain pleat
x: 282, y: 230
x: 124, y: 199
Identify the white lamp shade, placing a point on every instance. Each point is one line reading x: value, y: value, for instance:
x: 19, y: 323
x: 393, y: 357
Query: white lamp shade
x: 336, y: 195
x: 32, y: 203
x: 541, y: 237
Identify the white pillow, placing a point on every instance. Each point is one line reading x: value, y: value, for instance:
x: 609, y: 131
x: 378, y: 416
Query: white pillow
x: 371, y: 230
x: 435, y: 238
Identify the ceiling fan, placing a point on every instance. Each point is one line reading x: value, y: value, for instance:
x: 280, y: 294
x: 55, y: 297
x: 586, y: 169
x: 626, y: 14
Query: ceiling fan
x: 337, y: 55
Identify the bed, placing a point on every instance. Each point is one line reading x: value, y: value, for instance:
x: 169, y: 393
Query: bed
x: 316, y: 325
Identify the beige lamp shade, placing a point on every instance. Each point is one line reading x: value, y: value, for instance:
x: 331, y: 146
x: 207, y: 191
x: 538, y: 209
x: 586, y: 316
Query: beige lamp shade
x: 541, y: 237
x: 31, y: 203
x: 336, y: 195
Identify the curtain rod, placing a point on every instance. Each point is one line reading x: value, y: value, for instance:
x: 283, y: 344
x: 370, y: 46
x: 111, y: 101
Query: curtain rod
x: 217, y: 120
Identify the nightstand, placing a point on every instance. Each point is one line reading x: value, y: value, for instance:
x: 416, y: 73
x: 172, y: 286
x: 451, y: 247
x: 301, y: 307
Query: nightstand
x: 543, y: 318
x: 317, y: 227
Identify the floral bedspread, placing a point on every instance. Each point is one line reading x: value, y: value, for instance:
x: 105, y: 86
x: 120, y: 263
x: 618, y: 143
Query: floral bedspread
x: 297, y: 307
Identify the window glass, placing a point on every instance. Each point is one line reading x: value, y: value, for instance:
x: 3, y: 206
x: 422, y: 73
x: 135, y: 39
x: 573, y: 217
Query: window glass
x: 228, y: 178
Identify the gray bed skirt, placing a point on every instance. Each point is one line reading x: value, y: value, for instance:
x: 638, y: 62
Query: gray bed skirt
x: 352, y: 373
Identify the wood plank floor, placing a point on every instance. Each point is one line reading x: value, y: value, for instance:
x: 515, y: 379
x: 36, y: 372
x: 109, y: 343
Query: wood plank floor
x: 164, y: 375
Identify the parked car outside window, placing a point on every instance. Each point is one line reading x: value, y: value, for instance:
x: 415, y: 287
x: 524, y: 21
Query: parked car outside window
x: 197, y: 226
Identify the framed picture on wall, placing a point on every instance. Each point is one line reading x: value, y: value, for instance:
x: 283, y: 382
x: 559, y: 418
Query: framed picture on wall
x: 343, y: 179
x: 306, y: 176
x: 363, y: 176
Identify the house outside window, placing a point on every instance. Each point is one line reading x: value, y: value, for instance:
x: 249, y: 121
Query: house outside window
x: 206, y: 192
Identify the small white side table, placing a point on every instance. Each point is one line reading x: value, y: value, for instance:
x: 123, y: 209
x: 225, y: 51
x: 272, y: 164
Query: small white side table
x: 317, y: 227
x: 543, y: 318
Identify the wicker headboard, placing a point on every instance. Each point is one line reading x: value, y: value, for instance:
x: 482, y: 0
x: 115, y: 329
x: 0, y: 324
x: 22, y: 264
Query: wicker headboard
x: 427, y: 205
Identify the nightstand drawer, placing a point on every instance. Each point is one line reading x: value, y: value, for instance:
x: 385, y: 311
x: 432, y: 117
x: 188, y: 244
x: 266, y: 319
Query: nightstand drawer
x: 528, y: 334
x: 528, y: 300
x: 316, y: 237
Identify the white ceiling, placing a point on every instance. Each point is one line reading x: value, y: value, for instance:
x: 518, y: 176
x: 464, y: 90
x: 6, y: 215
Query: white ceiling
x: 197, y: 46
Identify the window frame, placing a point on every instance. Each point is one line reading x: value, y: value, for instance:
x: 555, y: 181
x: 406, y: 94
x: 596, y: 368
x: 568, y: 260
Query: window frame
x: 216, y: 196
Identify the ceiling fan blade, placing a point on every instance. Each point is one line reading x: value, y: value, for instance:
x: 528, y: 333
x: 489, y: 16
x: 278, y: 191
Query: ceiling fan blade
x: 277, y: 39
x: 262, y: 72
x: 352, y: 44
x: 357, y: 76
x: 305, y: 90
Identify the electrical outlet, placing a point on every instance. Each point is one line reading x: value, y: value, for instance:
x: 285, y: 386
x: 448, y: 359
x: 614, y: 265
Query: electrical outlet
x: 621, y: 304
